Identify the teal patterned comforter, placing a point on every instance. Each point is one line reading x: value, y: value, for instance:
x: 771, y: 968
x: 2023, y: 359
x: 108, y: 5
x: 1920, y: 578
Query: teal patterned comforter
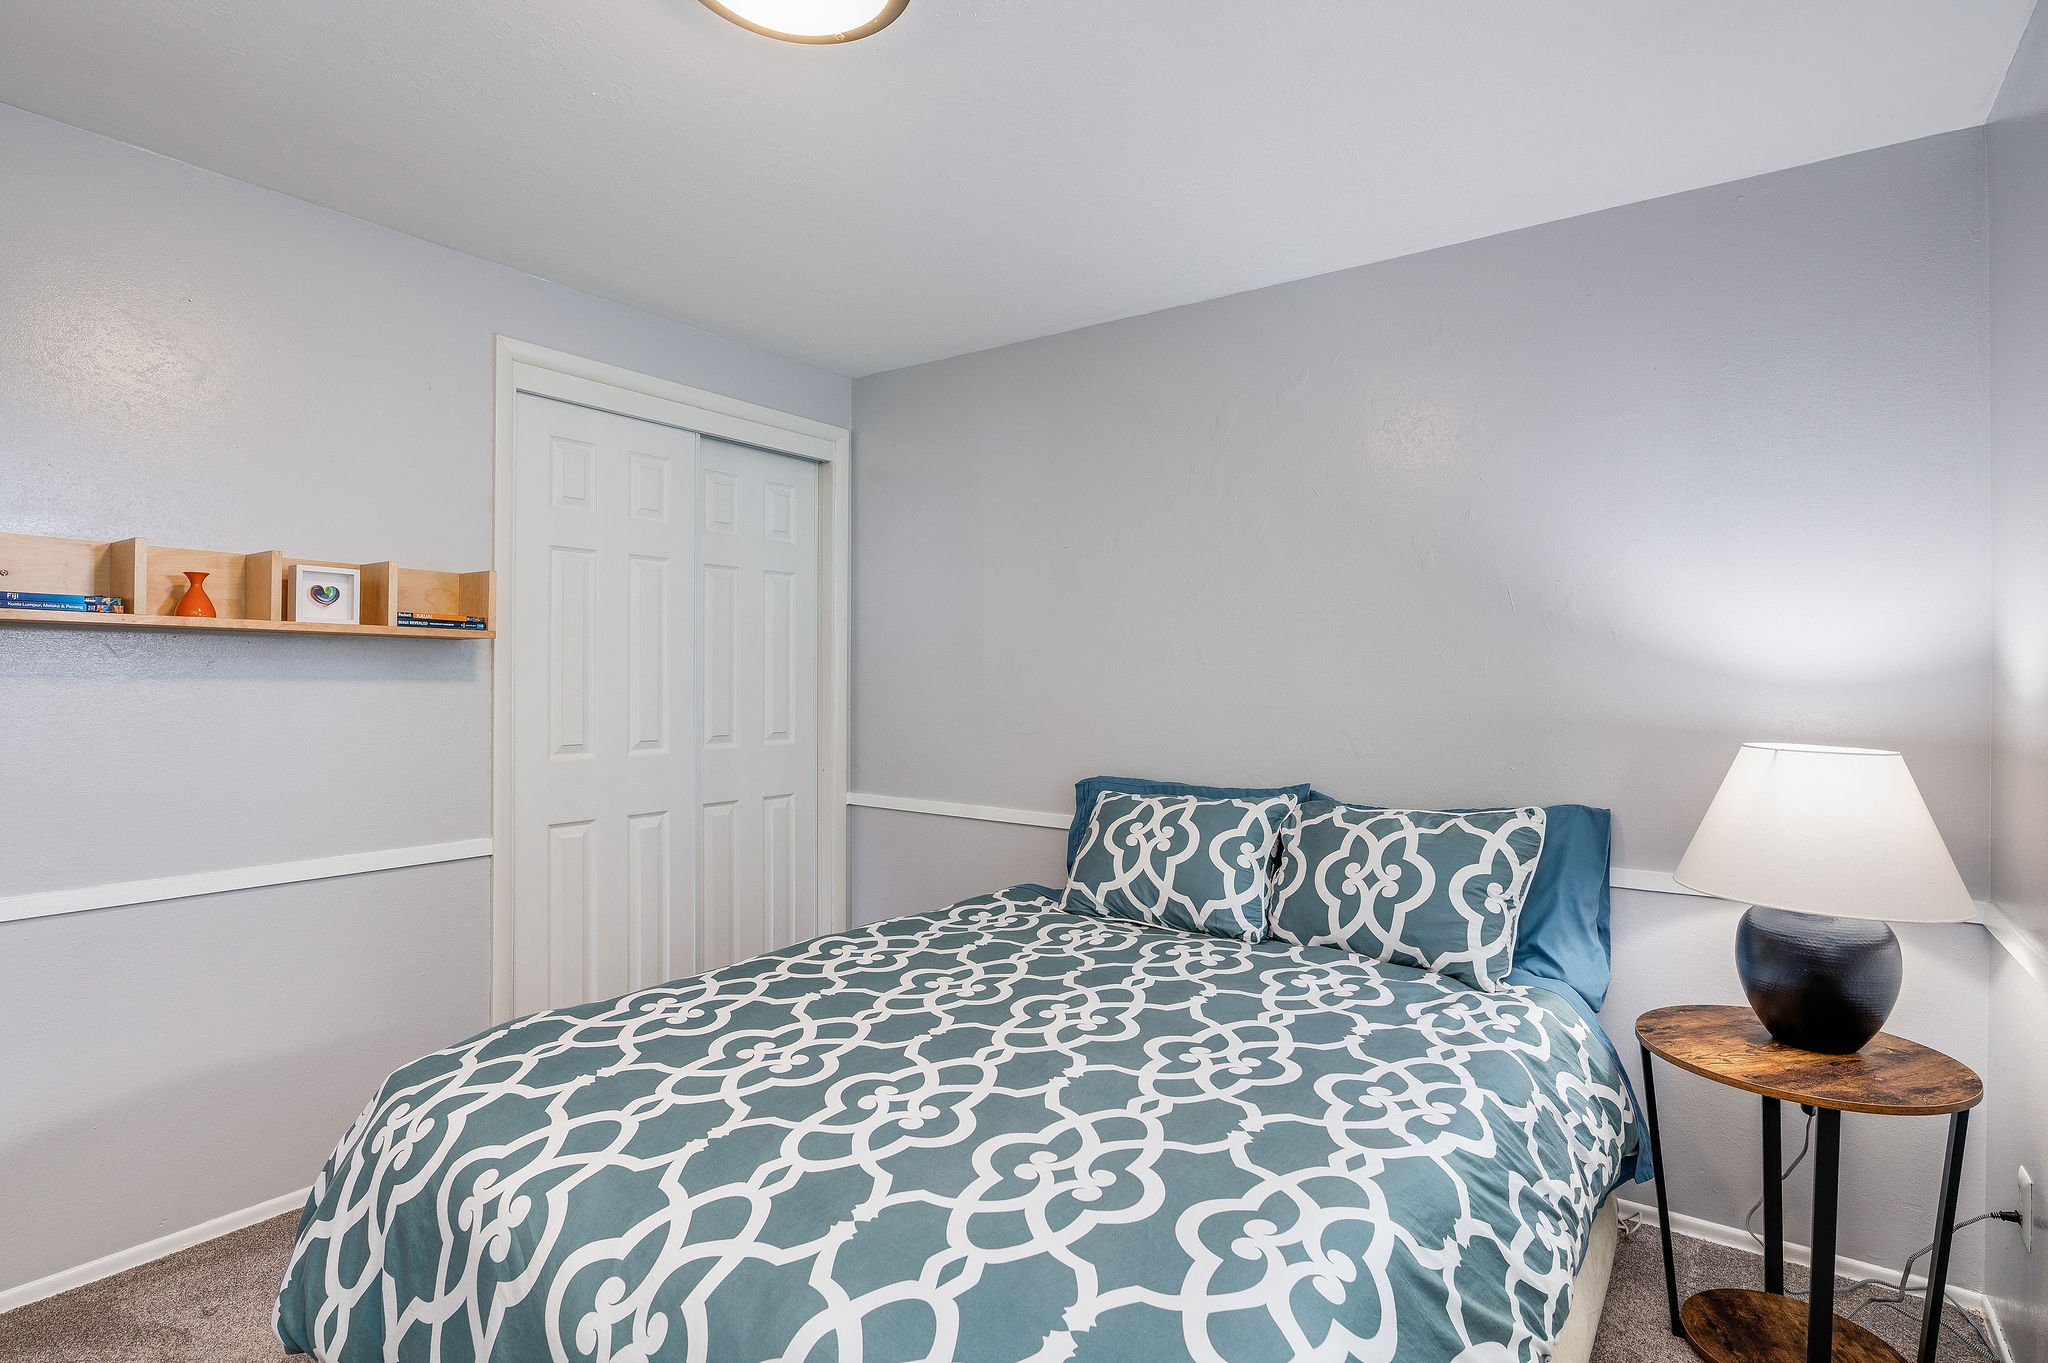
x: 993, y: 1132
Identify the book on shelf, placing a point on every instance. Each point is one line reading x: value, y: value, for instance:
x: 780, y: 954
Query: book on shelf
x: 423, y: 620
x: 61, y: 601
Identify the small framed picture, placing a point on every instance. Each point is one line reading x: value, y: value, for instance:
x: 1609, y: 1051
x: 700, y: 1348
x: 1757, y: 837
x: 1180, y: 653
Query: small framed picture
x: 324, y: 595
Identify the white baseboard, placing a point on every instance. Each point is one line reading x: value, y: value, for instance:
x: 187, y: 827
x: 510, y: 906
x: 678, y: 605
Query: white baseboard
x: 122, y: 1260
x: 1713, y: 1232
x: 1998, y: 1340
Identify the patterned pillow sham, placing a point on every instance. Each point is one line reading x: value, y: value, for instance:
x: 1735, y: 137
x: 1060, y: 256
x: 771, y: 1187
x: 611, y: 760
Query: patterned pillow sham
x: 1179, y: 861
x: 1424, y: 888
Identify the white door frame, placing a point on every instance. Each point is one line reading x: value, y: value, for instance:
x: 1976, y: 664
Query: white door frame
x: 523, y: 367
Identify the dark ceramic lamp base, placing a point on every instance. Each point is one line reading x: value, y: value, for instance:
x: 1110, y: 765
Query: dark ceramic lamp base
x: 1819, y: 983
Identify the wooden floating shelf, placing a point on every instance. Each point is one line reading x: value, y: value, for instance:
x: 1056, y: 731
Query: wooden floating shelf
x: 248, y: 590
x: 96, y: 620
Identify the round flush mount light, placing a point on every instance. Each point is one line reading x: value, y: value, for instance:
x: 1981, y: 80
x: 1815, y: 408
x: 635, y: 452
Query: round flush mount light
x: 811, y: 21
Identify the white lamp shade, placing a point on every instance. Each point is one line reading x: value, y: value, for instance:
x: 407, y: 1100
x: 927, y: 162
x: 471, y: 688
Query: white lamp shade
x: 1825, y: 830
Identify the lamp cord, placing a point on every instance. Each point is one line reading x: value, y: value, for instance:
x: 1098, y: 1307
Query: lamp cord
x: 1974, y: 1340
x: 1805, y: 1144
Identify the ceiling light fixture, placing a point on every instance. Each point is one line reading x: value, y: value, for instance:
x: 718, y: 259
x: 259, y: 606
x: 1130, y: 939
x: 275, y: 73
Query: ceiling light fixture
x: 810, y: 21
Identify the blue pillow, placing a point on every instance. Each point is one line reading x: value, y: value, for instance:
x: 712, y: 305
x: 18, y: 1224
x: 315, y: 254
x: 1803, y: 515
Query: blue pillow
x: 1086, y: 791
x: 1563, y: 934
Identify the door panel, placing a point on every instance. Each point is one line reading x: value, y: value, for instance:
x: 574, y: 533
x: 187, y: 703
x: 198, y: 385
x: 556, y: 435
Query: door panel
x: 603, y: 795
x: 757, y: 762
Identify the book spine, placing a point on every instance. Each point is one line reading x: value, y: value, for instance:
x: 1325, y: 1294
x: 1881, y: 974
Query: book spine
x: 58, y: 601
x: 73, y: 607
x: 407, y: 623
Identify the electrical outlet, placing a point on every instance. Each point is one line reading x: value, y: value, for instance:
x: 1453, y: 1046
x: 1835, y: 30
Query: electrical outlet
x: 2026, y: 1209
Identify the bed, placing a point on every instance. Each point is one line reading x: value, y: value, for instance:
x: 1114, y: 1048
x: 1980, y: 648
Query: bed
x: 993, y: 1132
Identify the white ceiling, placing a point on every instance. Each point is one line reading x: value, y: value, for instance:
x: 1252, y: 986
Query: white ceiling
x: 990, y: 170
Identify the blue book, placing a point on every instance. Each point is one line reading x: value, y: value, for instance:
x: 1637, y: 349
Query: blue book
x: 59, y: 601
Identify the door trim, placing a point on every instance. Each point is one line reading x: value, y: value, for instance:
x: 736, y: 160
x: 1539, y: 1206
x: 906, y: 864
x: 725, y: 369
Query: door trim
x: 522, y: 367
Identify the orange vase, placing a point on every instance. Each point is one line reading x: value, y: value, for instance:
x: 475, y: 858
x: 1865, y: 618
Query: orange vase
x: 195, y: 601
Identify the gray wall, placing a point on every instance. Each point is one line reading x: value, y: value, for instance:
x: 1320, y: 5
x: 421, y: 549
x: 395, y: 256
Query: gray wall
x: 2016, y: 1102
x: 2013, y: 1129
x: 2018, y: 153
x: 174, y: 1062
x: 208, y: 364
x: 1565, y: 514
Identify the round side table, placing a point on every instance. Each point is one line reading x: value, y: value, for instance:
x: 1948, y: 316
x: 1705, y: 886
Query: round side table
x: 1891, y: 1076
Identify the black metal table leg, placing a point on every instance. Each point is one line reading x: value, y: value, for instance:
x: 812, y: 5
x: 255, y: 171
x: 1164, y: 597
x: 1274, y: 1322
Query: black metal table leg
x: 1827, y: 1168
x: 1774, y: 1200
x: 1944, y: 1231
x: 1663, y: 1198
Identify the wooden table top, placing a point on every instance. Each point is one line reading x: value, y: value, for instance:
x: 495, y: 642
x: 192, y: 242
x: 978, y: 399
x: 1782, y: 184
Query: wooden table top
x: 1738, y: 1325
x: 1890, y: 1075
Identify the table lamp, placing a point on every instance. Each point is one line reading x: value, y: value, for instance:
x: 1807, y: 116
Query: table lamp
x: 1823, y: 844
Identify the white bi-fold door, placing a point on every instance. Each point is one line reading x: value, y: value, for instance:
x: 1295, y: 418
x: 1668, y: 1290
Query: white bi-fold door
x: 665, y: 784
x: 757, y: 679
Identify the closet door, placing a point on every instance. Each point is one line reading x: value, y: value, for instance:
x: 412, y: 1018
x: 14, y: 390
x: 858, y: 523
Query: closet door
x: 604, y: 763
x: 757, y: 701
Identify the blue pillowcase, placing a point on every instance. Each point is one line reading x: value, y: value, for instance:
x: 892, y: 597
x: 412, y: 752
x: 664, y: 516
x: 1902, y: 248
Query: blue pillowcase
x: 1563, y: 934
x: 1086, y: 791
x: 1564, y: 929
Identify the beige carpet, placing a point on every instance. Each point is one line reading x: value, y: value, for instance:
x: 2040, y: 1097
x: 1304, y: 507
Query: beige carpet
x: 207, y: 1304
x: 1635, y: 1327
x: 211, y: 1304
